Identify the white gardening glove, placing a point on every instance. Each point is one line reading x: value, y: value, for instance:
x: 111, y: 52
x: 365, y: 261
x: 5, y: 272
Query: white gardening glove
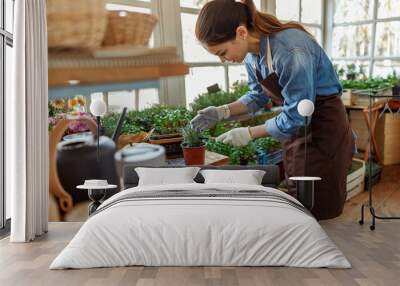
x: 208, y: 117
x: 237, y: 137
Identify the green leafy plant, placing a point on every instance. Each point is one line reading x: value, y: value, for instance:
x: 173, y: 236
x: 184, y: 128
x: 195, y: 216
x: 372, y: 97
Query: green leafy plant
x: 222, y: 127
x: 372, y: 84
x: 164, y: 119
x: 130, y: 126
x: 219, y: 98
x: 268, y: 144
x: 237, y: 155
x: 339, y: 71
x: 171, y: 120
x: 243, y: 155
x: 192, y: 138
x: 52, y: 110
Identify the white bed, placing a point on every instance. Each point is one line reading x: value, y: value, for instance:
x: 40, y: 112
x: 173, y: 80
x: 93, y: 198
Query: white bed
x: 202, y: 231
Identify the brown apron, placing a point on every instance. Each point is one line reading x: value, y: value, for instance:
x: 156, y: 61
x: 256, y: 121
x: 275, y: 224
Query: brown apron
x: 329, y: 147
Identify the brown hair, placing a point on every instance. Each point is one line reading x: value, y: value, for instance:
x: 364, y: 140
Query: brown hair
x: 218, y: 20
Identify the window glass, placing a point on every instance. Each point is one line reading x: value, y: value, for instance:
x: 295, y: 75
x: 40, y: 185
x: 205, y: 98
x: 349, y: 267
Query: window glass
x: 311, y: 11
x: 388, y: 8
x: 387, y: 41
x: 353, y: 10
x: 351, y: 41
x: 288, y: 10
x: 386, y: 67
x: 237, y: 74
x: 193, y: 51
x: 9, y: 11
x: 199, y: 78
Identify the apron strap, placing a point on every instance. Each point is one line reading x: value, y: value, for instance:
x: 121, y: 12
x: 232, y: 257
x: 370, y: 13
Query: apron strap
x: 268, y: 62
x: 269, y: 58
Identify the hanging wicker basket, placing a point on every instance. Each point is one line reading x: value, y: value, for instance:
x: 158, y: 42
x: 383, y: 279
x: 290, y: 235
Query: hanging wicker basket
x: 129, y: 28
x: 76, y: 24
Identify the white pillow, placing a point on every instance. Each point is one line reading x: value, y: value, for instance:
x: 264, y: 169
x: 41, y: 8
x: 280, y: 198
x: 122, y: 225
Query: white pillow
x: 248, y: 177
x: 165, y: 176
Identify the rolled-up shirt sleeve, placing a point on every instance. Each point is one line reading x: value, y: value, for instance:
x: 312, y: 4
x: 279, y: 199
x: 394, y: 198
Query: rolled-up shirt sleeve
x: 255, y: 98
x: 295, y: 70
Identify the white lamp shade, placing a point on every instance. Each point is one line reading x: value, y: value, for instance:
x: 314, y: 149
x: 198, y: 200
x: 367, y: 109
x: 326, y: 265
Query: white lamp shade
x: 98, y: 107
x: 305, y: 107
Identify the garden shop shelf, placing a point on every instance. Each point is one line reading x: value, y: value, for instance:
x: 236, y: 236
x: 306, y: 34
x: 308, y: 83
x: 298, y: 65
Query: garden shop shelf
x: 84, y: 68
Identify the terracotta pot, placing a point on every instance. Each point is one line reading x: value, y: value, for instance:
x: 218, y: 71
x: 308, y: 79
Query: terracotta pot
x: 194, y: 155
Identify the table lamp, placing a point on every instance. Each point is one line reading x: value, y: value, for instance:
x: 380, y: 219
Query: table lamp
x: 305, y: 184
x: 98, y: 108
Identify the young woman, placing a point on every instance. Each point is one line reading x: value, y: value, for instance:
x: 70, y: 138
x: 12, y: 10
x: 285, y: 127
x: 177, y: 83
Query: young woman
x: 284, y: 64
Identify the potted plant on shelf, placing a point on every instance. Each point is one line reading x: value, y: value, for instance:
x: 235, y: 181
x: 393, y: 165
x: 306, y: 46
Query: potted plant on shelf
x: 193, y: 146
x: 351, y: 72
x: 395, y: 85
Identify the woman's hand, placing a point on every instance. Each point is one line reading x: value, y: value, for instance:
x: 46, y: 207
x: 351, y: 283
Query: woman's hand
x: 208, y: 117
x: 237, y: 137
x: 243, y: 135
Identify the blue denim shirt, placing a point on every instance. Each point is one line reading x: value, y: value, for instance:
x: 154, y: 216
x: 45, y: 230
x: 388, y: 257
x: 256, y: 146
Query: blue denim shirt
x: 304, y: 71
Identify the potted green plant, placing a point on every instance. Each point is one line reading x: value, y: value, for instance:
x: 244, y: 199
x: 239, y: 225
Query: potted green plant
x: 193, y: 146
x: 243, y: 155
x: 395, y: 84
x: 217, y: 98
x: 351, y: 72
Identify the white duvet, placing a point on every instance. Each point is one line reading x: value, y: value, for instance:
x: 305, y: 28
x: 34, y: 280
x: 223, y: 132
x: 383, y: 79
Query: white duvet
x: 200, y: 231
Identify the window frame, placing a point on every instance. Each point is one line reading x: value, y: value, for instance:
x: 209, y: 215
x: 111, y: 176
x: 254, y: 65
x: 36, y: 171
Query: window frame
x: 372, y: 58
x: 320, y: 26
x: 226, y: 65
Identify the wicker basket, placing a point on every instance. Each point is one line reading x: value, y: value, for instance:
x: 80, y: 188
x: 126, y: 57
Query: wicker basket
x: 76, y: 24
x: 129, y: 28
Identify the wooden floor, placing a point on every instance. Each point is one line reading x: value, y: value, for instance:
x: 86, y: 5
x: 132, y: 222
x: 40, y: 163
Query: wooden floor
x: 374, y: 255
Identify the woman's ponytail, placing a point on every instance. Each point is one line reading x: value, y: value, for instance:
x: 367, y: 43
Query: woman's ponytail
x: 268, y: 23
x: 218, y: 20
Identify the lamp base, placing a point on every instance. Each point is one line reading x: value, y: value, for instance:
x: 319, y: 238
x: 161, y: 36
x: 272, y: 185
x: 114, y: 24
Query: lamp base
x: 305, y: 190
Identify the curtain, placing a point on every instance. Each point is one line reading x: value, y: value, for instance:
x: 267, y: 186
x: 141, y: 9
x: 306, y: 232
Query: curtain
x: 26, y: 123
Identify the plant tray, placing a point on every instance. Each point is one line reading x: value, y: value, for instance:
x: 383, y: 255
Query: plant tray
x: 172, y: 146
x: 269, y: 158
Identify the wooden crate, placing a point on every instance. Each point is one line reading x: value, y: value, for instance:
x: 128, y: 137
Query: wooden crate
x: 355, y: 180
x: 388, y: 138
x: 346, y: 97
